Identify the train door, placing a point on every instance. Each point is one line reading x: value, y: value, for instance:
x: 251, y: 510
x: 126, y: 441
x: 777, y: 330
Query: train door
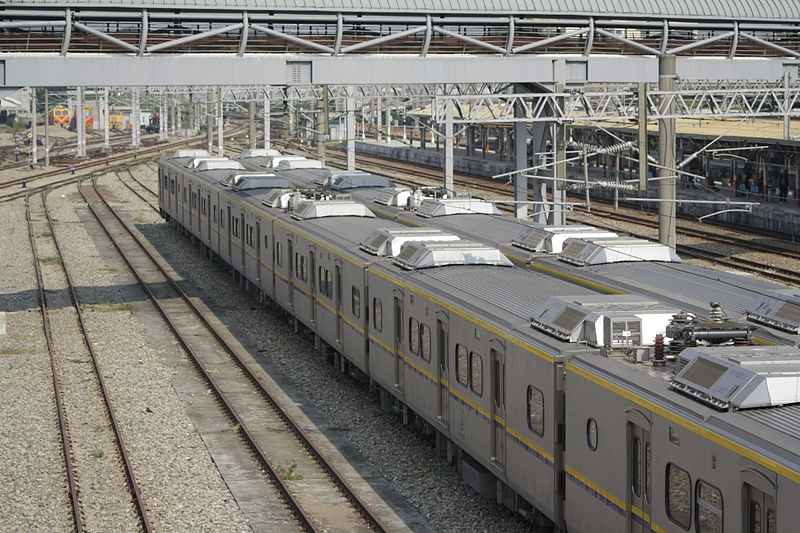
x: 442, y: 361
x: 398, y: 339
x: 639, y: 476
x: 208, y: 217
x: 290, y: 259
x: 760, y: 516
x: 497, y: 354
x: 228, y: 224
x: 337, y: 287
x: 243, y: 242
x: 312, y: 285
x: 258, y: 253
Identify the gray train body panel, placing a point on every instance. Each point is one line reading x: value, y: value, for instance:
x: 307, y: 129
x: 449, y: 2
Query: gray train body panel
x: 455, y: 346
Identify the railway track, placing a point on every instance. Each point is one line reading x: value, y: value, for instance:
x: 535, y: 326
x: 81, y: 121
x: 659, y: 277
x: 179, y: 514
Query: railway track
x: 121, y: 161
x: 781, y: 249
x: 280, y: 446
x: 100, y: 478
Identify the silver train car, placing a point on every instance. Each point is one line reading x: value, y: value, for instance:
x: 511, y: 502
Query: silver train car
x: 574, y: 395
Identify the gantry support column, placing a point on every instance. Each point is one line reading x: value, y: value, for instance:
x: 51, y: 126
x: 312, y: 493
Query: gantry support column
x: 46, y: 130
x: 106, y: 122
x: 448, y: 146
x: 388, y: 124
x: 251, y: 123
x: 210, y: 112
x: 220, y: 124
x: 520, y: 160
x: 136, y: 127
x: 666, y: 156
x: 379, y: 119
x: 34, y: 132
x: 162, y: 119
x: 80, y: 122
x: 267, y: 123
x: 351, y: 133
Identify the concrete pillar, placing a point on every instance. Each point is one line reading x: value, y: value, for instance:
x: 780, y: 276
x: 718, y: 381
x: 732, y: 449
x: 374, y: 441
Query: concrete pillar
x: 210, y: 112
x: 46, y: 130
x: 251, y: 122
x: 388, y: 124
x: 363, y: 124
x: 80, y: 122
x: 379, y: 119
x: 34, y: 149
x: 319, y: 130
x: 106, y: 122
x: 351, y: 133
x: 786, y: 121
x: 136, y: 128
x: 448, y: 146
x: 162, y: 118
x: 666, y: 157
x: 520, y: 161
x: 560, y: 138
x: 267, y: 123
x: 220, y: 123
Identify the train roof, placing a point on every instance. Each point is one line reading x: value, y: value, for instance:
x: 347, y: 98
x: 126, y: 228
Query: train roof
x: 771, y: 432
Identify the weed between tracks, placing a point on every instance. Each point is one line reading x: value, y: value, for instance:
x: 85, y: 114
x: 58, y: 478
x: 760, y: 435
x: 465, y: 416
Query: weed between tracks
x: 289, y: 472
x: 50, y: 261
x: 101, y: 307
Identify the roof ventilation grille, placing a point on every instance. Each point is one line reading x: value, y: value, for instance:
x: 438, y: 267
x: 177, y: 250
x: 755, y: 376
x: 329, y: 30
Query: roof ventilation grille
x: 583, y: 252
x: 189, y: 153
x: 259, y: 152
x: 296, y: 164
x: 309, y: 209
x: 389, y: 242
x: 196, y: 161
x: 456, y: 206
x: 779, y: 309
x: 741, y: 377
x: 551, y: 239
x: 414, y: 255
x: 225, y: 164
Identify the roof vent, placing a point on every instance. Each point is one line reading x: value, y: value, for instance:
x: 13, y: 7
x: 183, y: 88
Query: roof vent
x: 274, y: 161
x: 779, y: 309
x: 189, y: 153
x: 259, y: 152
x: 333, y: 177
x: 296, y: 164
x: 196, y: 161
x: 610, y: 321
x: 414, y: 255
x: 245, y: 182
x: 225, y: 164
x: 360, y: 181
x: 331, y: 208
x: 456, y: 206
x: 551, y: 239
x: 394, y: 196
x: 741, y: 377
x: 584, y: 252
x: 278, y: 198
x: 385, y: 242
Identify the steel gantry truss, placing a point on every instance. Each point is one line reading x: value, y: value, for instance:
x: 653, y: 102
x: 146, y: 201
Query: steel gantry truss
x: 619, y: 104
x: 337, y: 32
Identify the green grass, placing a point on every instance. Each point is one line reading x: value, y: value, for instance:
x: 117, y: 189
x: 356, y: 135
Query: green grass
x: 17, y: 351
x: 45, y: 234
x: 50, y: 261
x: 103, y: 307
x: 289, y: 472
x: 98, y: 454
x: 107, y: 269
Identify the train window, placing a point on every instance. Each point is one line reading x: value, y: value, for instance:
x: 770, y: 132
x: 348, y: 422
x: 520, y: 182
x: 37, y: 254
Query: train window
x: 302, y: 267
x: 425, y: 342
x: 648, y: 476
x: 708, y: 508
x: 674, y: 436
x: 462, y: 359
x: 266, y: 242
x: 536, y: 410
x: 215, y: 213
x: 679, y: 496
x: 476, y: 373
x: 356, y: 302
x: 413, y: 335
x: 636, y: 473
x: 278, y: 254
x: 248, y: 232
x: 755, y: 517
x: 772, y: 525
x: 377, y: 314
x: 591, y: 434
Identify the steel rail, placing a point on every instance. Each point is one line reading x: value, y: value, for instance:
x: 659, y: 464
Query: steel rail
x: 347, y: 490
x: 66, y: 442
x: 118, y: 435
x: 134, y: 191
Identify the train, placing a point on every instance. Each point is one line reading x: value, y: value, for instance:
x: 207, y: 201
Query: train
x: 588, y: 382
x: 62, y: 116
